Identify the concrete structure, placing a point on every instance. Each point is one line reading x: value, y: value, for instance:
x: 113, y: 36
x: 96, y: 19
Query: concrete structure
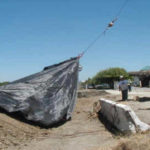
x: 122, y: 117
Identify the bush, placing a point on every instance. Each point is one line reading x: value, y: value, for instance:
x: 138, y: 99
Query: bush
x: 3, y: 83
x: 109, y: 76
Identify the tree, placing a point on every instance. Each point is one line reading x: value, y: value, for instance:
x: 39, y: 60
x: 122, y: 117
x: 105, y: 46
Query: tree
x: 3, y: 83
x: 109, y: 76
x: 87, y: 82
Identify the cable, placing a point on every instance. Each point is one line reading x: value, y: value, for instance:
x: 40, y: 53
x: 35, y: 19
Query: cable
x: 95, y: 40
x: 121, y: 9
x: 106, y: 29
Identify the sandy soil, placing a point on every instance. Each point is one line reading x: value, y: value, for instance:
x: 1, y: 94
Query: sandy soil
x: 83, y: 132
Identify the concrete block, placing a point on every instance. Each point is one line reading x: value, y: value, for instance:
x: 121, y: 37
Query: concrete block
x: 122, y: 117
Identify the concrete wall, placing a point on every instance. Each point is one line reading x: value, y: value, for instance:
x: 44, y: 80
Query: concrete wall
x: 122, y: 117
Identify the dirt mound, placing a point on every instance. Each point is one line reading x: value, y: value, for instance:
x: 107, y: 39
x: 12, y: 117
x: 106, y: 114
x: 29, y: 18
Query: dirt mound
x: 136, y: 142
x: 15, y: 133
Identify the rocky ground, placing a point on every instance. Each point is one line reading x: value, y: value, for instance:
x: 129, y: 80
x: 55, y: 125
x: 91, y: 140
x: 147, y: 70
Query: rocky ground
x: 84, y: 132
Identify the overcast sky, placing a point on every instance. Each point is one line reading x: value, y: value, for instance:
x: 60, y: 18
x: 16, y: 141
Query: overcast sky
x: 37, y: 33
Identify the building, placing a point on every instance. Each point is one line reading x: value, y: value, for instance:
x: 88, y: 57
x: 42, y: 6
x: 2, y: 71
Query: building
x: 142, y: 77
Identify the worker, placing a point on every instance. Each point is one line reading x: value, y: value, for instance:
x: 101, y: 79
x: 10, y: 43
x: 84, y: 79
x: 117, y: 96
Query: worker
x: 123, y: 87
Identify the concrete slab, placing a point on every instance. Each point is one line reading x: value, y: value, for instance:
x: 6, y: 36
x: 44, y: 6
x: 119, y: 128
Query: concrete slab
x: 122, y: 117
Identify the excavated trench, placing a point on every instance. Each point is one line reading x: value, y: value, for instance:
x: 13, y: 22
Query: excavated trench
x: 85, y: 131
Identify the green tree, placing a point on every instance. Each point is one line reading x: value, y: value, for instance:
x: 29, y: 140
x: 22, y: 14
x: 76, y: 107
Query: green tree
x: 88, y: 81
x: 3, y: 83
x: 109, y: 76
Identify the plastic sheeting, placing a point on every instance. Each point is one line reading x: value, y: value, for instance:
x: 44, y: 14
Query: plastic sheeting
x: 46, y: 97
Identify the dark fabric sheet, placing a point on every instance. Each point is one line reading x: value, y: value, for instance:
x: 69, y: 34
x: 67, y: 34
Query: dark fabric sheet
x: 46, y: 97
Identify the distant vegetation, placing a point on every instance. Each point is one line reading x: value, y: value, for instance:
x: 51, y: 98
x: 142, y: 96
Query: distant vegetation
x: 3, y: 83
x: 107, y: 76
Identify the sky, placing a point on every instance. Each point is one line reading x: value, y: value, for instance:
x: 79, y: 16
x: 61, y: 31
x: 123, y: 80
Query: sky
x: 39, y: 33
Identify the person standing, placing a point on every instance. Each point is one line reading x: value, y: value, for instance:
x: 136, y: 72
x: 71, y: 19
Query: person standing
x: 123, y: 87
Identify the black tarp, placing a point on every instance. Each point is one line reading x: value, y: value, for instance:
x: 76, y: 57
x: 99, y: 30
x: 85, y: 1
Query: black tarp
x: 46, y: 97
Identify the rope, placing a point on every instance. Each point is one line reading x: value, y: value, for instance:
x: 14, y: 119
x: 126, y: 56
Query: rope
x: 105, y: 30
x: 121, y: 9
x: 95, y: 40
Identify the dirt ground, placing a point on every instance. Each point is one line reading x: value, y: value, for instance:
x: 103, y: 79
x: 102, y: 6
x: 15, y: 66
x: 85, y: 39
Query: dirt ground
x: 84, y: 132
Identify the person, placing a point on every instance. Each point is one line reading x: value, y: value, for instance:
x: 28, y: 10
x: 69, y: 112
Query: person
x: 123, y: 87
